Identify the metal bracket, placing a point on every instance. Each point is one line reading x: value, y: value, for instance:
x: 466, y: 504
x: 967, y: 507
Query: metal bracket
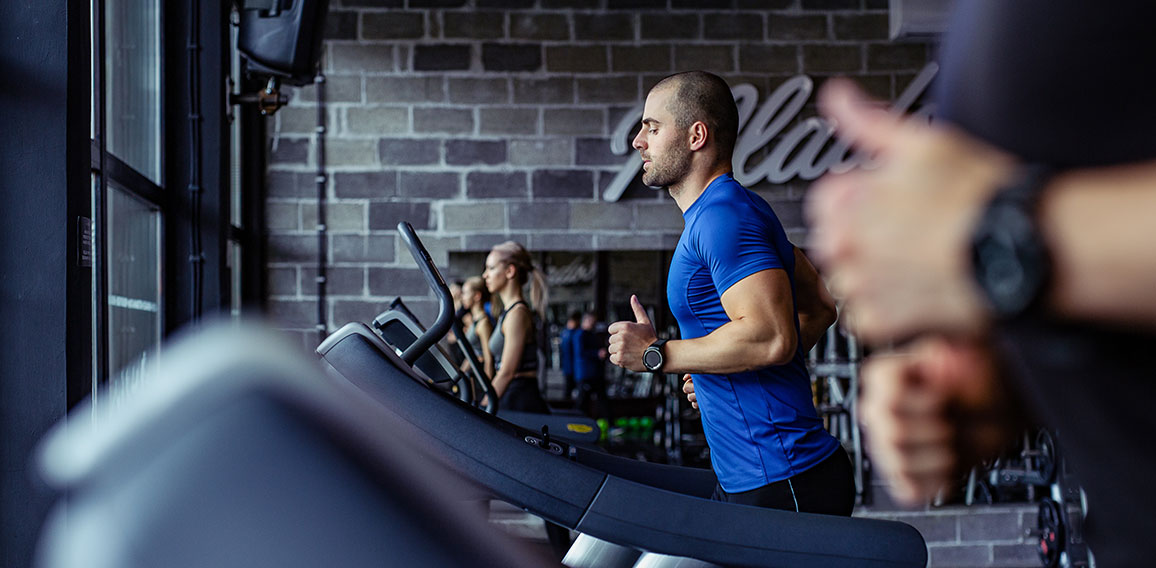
x: 269, y: 100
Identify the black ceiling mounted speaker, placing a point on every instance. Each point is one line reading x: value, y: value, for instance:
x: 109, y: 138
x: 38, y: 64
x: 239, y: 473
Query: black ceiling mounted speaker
x: 282, y: 38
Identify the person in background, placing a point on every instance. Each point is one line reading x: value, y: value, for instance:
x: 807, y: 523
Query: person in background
x: 567, y: 352
x: 514, y: 343
x: 456, y: 294
x: 590, y: 367
x: 474, y: 298
x: 451, y: 339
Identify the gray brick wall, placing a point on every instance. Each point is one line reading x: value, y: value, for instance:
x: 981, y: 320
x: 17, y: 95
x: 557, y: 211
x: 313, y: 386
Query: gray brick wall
x: 986, y: 535
x: 480, y: 121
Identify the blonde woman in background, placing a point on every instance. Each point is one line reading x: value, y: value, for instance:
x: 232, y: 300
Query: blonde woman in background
x: 514, y: 343
x: 474, y: 298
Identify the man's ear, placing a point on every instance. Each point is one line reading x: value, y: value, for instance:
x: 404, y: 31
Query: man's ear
x: 698, y: 135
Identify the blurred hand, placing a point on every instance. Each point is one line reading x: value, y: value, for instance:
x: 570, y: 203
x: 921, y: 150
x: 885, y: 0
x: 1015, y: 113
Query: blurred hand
x: 628, y: 340
x: 931, y: 413
x: 894, y: 240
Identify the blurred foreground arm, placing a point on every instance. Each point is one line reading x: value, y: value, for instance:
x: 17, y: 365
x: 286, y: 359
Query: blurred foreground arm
x: 895, y: 240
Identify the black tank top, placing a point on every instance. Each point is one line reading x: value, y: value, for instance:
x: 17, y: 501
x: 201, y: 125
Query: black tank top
x: 529, y: 361
x: 473, y: 338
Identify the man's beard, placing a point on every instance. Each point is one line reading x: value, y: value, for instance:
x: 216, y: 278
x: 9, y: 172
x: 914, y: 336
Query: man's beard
x: 673, y: 169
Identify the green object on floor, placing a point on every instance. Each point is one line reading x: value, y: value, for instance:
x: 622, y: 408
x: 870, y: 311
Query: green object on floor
x: 646, y: 428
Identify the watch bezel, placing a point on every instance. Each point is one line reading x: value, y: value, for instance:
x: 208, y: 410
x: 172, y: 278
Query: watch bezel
x: 655, y: 349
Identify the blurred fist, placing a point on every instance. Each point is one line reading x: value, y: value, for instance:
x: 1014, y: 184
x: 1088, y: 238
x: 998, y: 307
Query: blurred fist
x: 688, y: 388
x: 928, y: 414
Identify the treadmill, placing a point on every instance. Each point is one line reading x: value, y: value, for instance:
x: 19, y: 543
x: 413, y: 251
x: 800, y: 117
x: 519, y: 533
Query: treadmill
x: 659, y: 515
x: 400, y: 328
x: 239, y: 450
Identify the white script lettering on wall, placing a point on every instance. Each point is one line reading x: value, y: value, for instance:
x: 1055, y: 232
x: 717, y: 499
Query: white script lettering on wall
x: 803, y: 152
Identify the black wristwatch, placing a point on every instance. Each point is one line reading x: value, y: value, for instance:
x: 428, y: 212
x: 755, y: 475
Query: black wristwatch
x: 1010, y: 259
x: 653, y: 358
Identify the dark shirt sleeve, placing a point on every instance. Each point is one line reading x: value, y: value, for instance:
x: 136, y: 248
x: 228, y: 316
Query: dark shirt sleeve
x: 1063, y: 83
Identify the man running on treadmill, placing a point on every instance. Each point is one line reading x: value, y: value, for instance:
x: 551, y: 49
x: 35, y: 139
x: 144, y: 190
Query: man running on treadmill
x: 749, y: 306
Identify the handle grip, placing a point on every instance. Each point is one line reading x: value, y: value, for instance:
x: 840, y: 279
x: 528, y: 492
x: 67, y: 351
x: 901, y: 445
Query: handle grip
x: 478, y: 369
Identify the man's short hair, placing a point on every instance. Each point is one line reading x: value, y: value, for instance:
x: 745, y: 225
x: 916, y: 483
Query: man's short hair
x: 706, y: 97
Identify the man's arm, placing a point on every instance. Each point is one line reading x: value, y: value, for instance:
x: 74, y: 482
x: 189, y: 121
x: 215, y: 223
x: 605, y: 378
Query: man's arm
x: 1098, y: 223
x: 813, y: 301
x: 761, y: 332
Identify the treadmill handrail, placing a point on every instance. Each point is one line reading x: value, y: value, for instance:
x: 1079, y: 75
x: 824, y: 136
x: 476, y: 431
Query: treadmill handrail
x: 388, y: 325
x: 479, y: 375
x: 438, y: 285
x: 479, y: 371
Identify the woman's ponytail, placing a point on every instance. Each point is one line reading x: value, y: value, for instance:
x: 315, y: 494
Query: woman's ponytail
x: 539, y: 291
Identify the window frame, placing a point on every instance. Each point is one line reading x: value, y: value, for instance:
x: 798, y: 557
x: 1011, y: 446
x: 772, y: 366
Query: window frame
x: 195, y: 62
x: 107, y: 168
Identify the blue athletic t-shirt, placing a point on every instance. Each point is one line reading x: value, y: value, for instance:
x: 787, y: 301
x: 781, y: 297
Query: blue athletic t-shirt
x: 761, y: 425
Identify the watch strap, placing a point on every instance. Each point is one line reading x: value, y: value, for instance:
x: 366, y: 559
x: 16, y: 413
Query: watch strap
x: 1028, y: 186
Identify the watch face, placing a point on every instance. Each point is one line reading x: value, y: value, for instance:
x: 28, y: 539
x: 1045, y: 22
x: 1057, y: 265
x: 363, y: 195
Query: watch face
x: 1010, y: 262
x: 652, y: 358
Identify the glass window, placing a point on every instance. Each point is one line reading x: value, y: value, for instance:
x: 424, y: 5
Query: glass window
x: 235, y: 163
x: 126, y: 77
x: 95, y: 308
x: 235, y: 268
x: 92, y: 67
x: 134, y: 288
x: 133, y: 92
